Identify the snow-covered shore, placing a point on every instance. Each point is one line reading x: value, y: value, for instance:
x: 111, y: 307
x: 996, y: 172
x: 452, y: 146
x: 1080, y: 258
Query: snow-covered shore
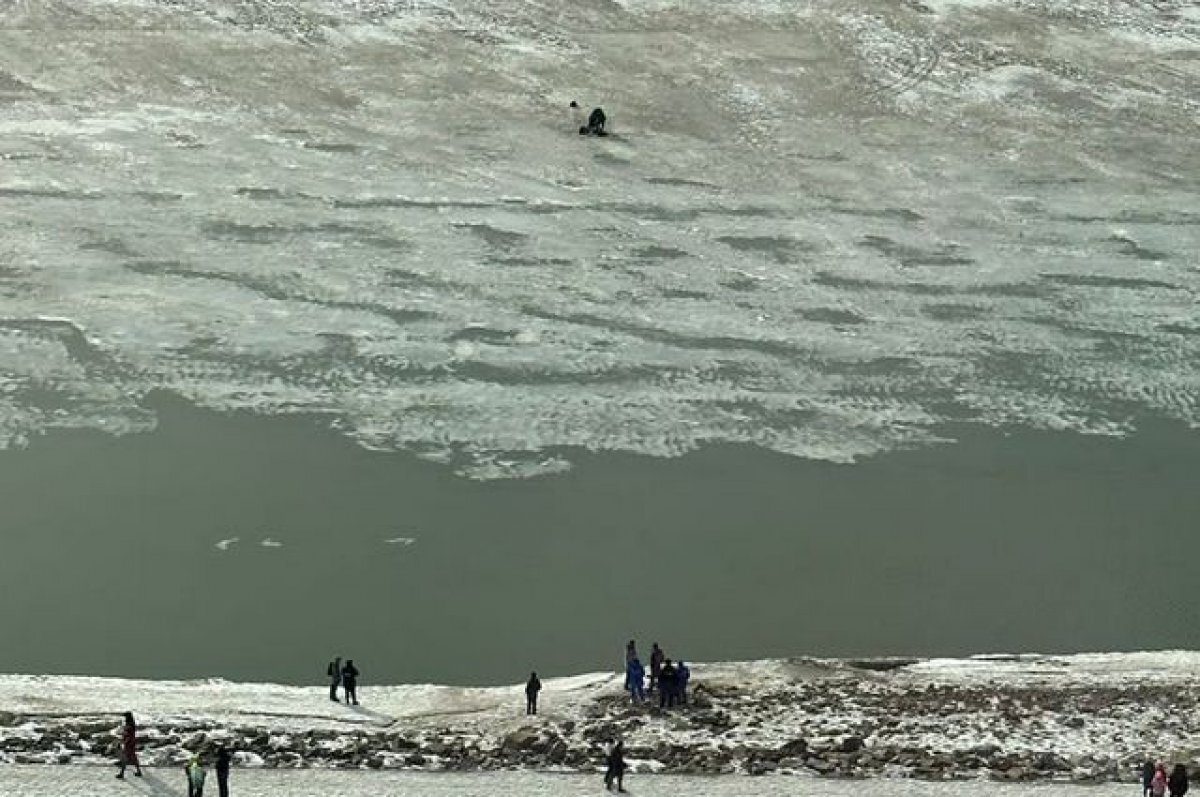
x: 1083, y: 718
x: 23, y: 781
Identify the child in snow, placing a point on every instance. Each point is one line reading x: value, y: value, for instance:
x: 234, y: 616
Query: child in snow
x: 195, y: 777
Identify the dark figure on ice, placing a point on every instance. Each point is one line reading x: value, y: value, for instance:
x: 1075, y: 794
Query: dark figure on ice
x: 656, y: 662
x: 334, y: 671
x: 224, y: 759
x: 532, y: 687
x: 129, y: 747
x: 682, y: 676
x: 350, y: 682
x: 635, y: 676
x: 1147, y: 777
x: 667, y: 685
x: 615, y: 773
x: 195, y: 777
x: 630, y: 655
x: 595, y: 122
x: 1177, y: 784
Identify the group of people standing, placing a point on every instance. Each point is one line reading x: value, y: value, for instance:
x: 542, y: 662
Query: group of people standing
x: 194, y: 770
x: 1157, y: 783
x: 345, y: 676
x: 667, y: 678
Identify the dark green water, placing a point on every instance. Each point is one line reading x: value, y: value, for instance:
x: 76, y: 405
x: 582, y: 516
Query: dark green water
x: 1022, y: 541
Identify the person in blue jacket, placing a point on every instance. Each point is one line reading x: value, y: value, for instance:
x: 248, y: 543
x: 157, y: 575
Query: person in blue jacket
x: 682, y: 676
x: 635, y: 676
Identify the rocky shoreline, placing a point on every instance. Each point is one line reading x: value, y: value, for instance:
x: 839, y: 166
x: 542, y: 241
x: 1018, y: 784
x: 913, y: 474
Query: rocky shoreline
x: 847, y: 722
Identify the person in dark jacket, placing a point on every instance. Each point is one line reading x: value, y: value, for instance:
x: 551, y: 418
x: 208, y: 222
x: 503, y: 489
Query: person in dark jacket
x: 334, y: 671
x: 532, y: 687
x: 615, y: 773
x: 350, y: 681
x: 1177, y: 784
x: 595, y: 123
x: 224, y: 759
x: 1147, y: 777
x: 630, y: 655
x: 656, y: 662
x: 667, y: 685
x: 682, y: 676
x: 129, y: 746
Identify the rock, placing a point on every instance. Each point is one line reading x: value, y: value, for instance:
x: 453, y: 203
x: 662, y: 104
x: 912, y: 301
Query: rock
x: 523, y: 738
x: 851, y: 744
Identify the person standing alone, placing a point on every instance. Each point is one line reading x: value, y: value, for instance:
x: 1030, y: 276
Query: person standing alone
x: 129, y: 746
x: 334, y: 671
x: 350, y: 682
x: 532, y: 687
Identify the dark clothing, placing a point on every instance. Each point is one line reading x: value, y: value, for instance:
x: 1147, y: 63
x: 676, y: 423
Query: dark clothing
x: 334, y: 671
x: 666, y: 686
x: 595, y: 124
x: 129, y: 750
x: 224, y: 759
x: 656, y: 662
x: 532, y: 687
x: 1177, y: 784
x: 615, y: 773
x: 682, y: 676
x: 350, y: 682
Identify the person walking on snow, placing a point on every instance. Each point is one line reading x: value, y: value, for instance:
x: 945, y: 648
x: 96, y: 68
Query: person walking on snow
x: 224, y: 759
x: 656, y: 663
x: 129, y: 746
x: 350, y: 682
x: 195, y: 777
x: 532, y: 687
x: 682, y: 676
x: 1177, y: 784
x: 334, y: 671
x: 635, y: 676
x: 615, y: 773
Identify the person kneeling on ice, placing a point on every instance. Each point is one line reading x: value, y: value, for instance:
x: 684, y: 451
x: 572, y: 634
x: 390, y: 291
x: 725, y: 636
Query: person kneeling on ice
x: 195, y: 777
x: 596, y: 122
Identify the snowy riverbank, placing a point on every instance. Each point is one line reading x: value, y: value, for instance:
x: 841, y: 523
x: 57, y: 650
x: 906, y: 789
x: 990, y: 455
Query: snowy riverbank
x: 1083, y: 718
x: 21, y: 781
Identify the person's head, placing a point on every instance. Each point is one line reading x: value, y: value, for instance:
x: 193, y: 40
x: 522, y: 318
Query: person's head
x: 656, y: 646
x: 533, y: 675
x: 128, y: 717
x: 680, y: 664
x: 349, y: 662
x: 1179, y: 769
x: 667, y: 663
x: 574, y: 104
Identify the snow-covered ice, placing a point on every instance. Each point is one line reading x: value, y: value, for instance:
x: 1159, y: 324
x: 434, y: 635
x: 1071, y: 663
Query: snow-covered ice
x: 822, y: 228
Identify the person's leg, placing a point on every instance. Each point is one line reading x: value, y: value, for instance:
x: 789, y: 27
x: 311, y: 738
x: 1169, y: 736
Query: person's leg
x: 137, y: 766
x: 222, y: 784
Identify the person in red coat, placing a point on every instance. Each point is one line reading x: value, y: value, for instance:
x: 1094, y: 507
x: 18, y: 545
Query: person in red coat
x: 129, y: 746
